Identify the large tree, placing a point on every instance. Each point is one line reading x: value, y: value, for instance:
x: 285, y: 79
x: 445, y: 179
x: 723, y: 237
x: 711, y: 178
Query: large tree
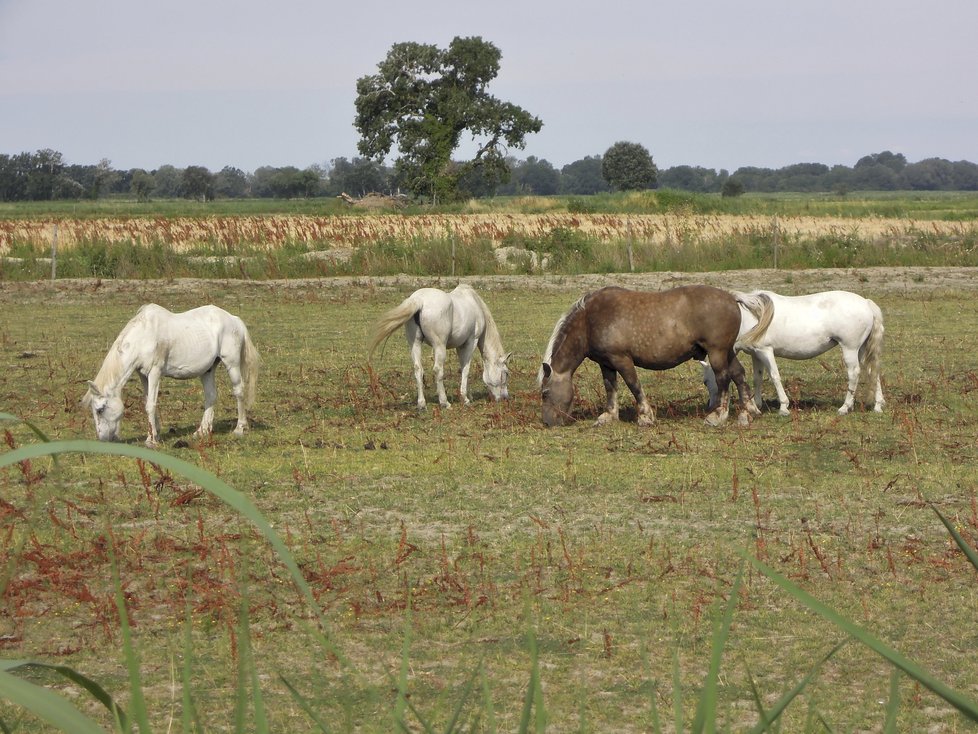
x: 424, y: 98
x: 628, y: 167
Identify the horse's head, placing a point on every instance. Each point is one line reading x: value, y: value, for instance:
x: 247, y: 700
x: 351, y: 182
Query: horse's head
x: 106, y: 410
x: 495, y: 373
x: 557, y: 392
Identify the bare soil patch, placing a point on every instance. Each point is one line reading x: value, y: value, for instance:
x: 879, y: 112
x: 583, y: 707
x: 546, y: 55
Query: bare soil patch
x: 873, y: 280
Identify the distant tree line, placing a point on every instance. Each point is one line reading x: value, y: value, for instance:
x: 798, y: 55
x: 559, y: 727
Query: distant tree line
x: 44, y: 175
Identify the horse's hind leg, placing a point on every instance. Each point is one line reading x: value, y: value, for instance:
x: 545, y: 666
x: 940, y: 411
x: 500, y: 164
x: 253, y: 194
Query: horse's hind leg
x: 441, y: 354
x: 238, y: 390
x: 764, y: 358
x: 710, y: 380
x: 878, y: 402
x: 415, y: 344
x: 851, y: 359
x: 210, y: 398
x: 721, y: 365
x: 747, y: 405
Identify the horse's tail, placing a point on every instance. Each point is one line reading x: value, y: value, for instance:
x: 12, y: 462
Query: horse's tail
x: 762, y: 308
x: 250, y: 361
x: 392, y: 321
x: 871, y: 351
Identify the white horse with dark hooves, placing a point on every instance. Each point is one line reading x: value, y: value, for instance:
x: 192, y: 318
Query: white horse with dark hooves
x: 157, y: 343
x: 457, y: 320
x: 802, y: 327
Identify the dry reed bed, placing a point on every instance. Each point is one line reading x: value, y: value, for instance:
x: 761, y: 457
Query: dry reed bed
x: 271, y: 232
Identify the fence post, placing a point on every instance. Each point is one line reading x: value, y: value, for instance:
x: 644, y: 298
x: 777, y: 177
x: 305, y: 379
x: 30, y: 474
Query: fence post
x: 54, y: 252
x: 631, y: 254
x: 453, y: 252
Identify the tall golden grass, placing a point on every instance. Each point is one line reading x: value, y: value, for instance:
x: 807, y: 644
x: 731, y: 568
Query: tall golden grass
x: 184, y: 234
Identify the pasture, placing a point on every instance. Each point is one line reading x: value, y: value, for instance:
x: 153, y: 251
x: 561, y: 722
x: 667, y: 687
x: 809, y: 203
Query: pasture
x: 473, y: 546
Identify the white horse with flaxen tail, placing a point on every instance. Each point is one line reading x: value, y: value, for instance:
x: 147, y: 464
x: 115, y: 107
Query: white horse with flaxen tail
x: 157, y: 343
x: 802, y: 327
x: 458, y: 320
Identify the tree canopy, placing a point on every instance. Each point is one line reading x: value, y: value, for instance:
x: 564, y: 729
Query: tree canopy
x: 628, y: 166
x: 424, y: 98
x: 44, y: 175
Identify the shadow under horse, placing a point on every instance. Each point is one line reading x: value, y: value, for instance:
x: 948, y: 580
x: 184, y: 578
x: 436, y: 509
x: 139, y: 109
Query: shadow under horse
x: 622, y: 329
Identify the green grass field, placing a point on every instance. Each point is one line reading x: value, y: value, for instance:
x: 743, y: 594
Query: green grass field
x: 447, y: 546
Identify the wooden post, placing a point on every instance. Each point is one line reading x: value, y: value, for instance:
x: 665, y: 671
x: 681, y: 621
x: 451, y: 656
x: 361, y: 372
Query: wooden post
x: 631, y: 254
x: 54, y: 253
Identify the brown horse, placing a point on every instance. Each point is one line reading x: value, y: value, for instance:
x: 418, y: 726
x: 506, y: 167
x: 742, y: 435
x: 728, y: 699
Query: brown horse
x: 621, y: 329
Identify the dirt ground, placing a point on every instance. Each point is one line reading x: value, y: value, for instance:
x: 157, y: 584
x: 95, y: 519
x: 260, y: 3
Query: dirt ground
x: 860, y: 280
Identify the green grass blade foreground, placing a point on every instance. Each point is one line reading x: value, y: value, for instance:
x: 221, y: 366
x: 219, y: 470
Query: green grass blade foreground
x: 46, y: 705
x: 53, y: 708
x: 769, y: 717
x: 706, y: 709
x: 968, y: 551
x: 138, y: 701
x: 16, y: 419
x: 220, y: 489
x: 962, y: 703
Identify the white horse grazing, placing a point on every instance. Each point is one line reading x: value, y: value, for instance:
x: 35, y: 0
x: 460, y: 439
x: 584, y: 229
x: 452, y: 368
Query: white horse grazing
x: 802, y: 327
x: 157, y: 343
x: 458, y: 320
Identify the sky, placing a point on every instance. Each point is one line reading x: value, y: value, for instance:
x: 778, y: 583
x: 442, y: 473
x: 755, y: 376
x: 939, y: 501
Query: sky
x: 710, y: 83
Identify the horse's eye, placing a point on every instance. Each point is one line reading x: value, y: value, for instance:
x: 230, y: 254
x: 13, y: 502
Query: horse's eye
x: 99, y: 410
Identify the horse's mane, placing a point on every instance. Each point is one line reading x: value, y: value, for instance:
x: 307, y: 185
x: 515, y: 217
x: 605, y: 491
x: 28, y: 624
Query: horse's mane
x: 493, y: 342
x: 113, y: 366
x: 558, y: 333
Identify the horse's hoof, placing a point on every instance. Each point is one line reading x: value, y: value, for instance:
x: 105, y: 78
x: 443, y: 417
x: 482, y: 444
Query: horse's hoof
x: 752, y: 408
x: 843, y: 410
x: 715, y: 419
x: 605, y: 418
x: 784, y: 412
x: 743, y: 419
x: 646, y: 421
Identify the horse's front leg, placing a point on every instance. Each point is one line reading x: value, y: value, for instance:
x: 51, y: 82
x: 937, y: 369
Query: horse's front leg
x: 151, y: 389
x: 465, y: 360
x: 610, y: 414
x: 766, y: 358
x: 210, y: 397
x: 645, y: 414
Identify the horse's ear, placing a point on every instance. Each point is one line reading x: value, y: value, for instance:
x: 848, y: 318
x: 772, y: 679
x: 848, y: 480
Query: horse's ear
x: 93, y: 388
x: 506, y: 358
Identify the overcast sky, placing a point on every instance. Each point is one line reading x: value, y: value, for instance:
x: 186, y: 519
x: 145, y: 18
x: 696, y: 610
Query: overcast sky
x: 711, y: 83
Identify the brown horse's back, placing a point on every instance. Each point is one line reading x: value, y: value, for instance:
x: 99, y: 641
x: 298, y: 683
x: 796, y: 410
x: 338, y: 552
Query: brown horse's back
x: 660, y: 330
